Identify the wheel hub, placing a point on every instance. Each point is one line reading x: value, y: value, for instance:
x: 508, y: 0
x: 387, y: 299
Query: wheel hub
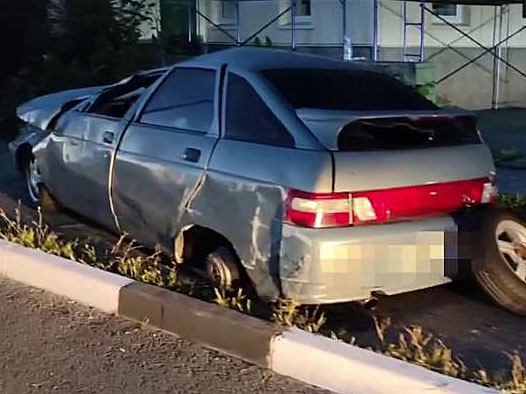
x: 511, y: 243
x: 217, y: 275
x: 220, y: 274
x: 520, y: 249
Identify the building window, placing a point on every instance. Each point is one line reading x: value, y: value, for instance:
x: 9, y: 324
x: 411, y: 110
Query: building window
x: 453, y: 13
x: 303, y: 14
x: 303, y: 8
x: 228, y: 12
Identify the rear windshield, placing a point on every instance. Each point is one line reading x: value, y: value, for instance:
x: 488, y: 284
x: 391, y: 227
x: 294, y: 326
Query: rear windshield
x: 346, y: 90
x: 320, y: 96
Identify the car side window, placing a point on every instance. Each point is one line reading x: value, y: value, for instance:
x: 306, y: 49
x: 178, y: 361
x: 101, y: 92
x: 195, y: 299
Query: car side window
x: 248, y: 118
x: 116, y: 101
x: 185, y: 100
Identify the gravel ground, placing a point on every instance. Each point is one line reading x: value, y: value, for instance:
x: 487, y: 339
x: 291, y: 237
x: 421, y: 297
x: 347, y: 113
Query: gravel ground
x: 52, y: 345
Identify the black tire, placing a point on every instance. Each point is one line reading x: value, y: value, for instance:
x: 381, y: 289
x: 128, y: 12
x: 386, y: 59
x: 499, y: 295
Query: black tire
x: 48, y: 203
x: 493, y: 269
x: 222, y: 269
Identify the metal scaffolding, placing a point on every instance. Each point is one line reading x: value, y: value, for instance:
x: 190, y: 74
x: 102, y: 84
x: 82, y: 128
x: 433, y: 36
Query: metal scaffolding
x: 290, y: 9
x: 495, y: 50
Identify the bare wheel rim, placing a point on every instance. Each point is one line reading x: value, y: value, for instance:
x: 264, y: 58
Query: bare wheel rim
x: 511, y: 243
x: 33, y: 180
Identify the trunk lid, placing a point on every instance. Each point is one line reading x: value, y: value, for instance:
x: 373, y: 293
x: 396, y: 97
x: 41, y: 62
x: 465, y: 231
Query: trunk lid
x: 390, y: 149
x: 358, y: 171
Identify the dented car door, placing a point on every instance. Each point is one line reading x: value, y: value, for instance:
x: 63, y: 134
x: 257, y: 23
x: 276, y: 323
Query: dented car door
x: 164, y: 153
x: 77, y: 163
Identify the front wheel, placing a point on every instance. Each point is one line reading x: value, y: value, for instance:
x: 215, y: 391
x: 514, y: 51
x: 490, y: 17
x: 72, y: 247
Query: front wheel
x: 33, y: 180
x: 501, y: 270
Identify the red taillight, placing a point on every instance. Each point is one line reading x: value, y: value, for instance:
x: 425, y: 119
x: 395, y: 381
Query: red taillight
x: 424, y: 200
x: 320, y: 210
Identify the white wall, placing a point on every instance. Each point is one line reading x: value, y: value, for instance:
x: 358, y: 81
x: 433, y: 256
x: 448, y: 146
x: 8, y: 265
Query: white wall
x: 471, y: 88
x: 324, y: 29
x: 478, y: 21
x: 326, y: 26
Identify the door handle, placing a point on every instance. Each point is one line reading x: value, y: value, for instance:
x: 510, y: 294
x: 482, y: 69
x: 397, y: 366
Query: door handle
x: 108, y: 137
x: 192, y: 154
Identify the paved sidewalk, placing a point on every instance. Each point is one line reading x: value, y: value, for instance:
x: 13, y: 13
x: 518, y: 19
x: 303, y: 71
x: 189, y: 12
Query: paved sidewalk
x: 51, y: 345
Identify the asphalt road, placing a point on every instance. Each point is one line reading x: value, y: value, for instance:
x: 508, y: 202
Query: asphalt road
x: 52, y: 345
x: 505, y: 129
x: 479, y: 332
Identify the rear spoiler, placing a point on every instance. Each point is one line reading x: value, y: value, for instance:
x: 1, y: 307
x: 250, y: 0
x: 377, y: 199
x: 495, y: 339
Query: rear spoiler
x: 335, y: 129
x: 408, y: 132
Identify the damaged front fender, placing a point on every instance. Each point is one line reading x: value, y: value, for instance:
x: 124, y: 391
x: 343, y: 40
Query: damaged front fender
x: 40, y: 111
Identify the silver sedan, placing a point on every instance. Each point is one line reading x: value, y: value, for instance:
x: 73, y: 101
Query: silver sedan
x: 310, y: 178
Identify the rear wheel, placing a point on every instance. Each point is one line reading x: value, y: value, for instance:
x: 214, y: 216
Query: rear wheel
x: 222, y: 269
x: 501, y: 271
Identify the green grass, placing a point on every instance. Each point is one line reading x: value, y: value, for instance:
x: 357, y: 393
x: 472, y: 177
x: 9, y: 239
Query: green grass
x: 513, y: 202
x: 288, y: 313
x: 152, y: 269
x: 125, y: 258
x: 416, y: 346
x: 238, y: 301
x: 37, y: 235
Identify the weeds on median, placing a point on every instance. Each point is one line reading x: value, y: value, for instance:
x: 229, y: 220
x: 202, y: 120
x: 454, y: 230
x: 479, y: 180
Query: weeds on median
x: 290, y: 314
x: 238, y: 301
x: 124, y: 258
x: 419, y: 348
x: 513, y: 202
x: 426, y: 350
x: 517, y: 383
x: 129, y: 259
x: 283, y: 312
x: 148, y: 269
x: 36, y: 235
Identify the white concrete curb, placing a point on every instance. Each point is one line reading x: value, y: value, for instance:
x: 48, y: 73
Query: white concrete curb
x: 348, y: 369
x: 314, y: 359
x: 76, y: 281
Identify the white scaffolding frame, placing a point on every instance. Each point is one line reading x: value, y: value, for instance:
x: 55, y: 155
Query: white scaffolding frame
x: 495, y: 50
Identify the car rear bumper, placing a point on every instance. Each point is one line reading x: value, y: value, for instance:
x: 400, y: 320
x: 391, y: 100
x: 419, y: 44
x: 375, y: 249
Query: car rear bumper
x: 346, y: 264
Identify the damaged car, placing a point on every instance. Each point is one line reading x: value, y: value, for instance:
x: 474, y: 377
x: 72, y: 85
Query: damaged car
x: 38, y: 118
x: 308, y: 178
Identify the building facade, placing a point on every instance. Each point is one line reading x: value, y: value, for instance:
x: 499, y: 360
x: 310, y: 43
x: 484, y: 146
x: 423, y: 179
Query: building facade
x: 390, y: 28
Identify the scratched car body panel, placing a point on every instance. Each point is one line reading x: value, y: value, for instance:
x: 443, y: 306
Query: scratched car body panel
x: 220, y: 142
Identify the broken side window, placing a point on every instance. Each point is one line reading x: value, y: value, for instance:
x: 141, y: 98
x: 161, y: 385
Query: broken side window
x: 116, y: 101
